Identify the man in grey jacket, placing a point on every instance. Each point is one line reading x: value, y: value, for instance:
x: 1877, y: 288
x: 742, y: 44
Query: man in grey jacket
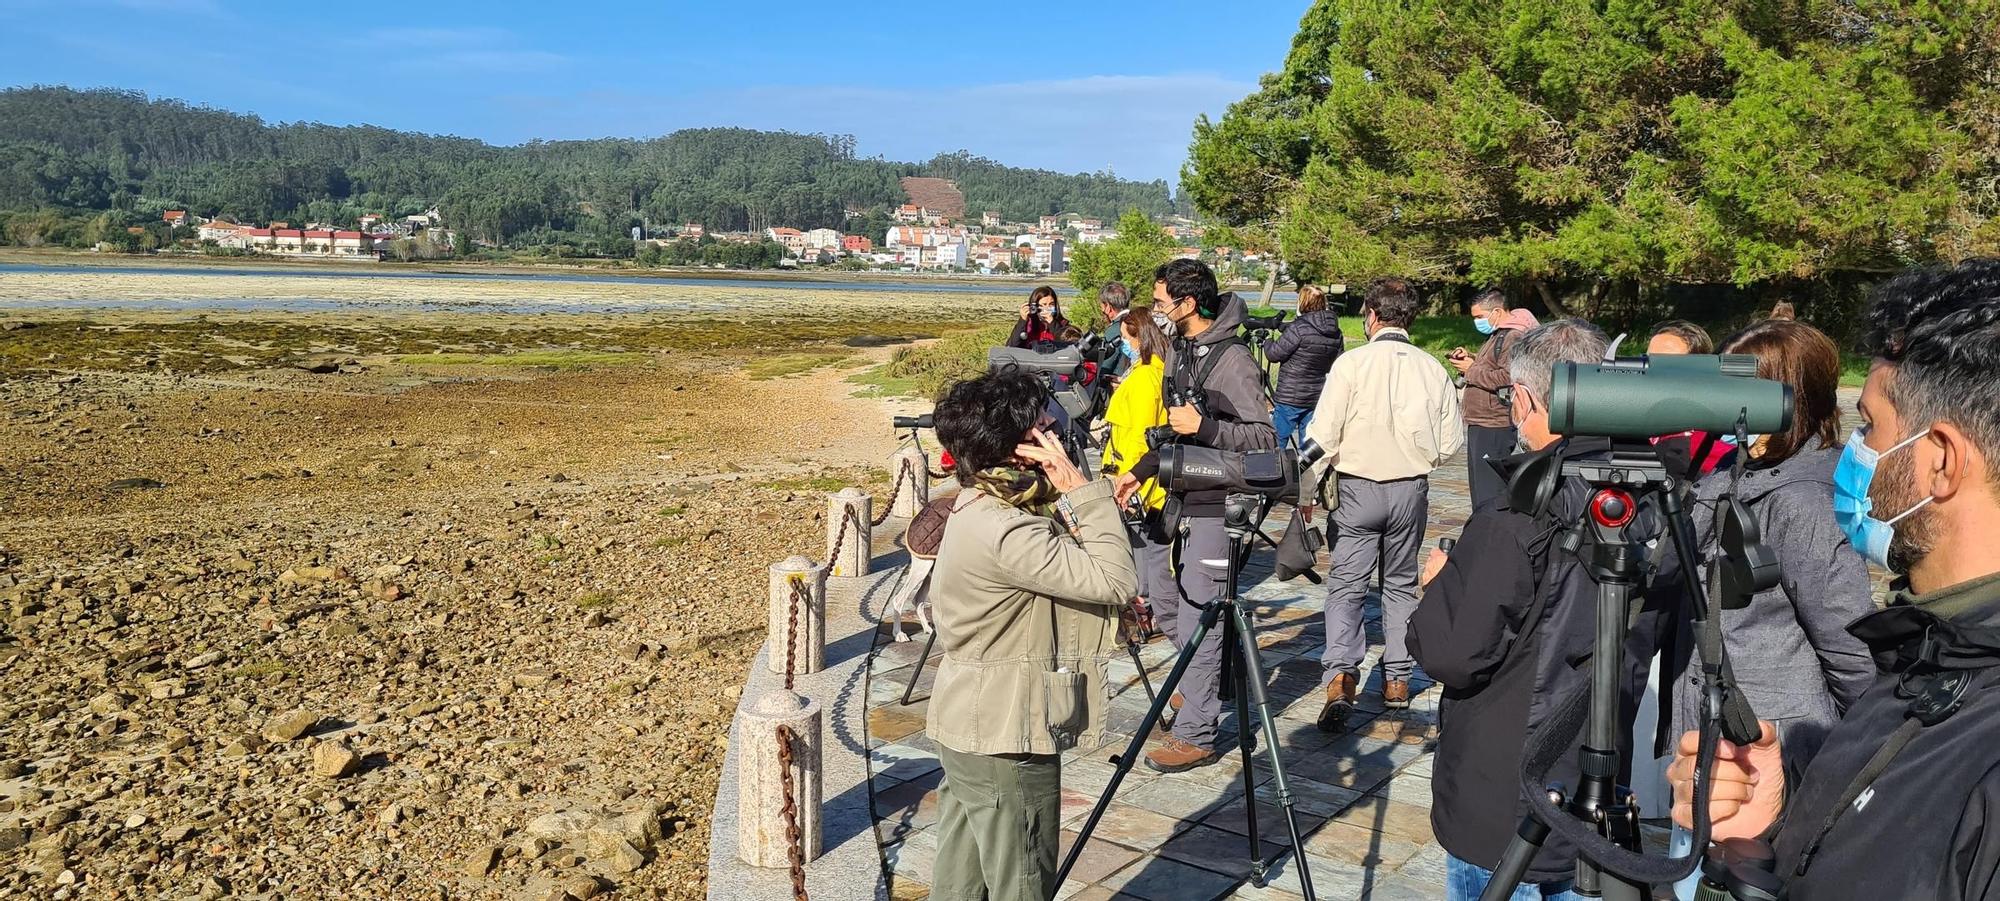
x: 1209, y: 356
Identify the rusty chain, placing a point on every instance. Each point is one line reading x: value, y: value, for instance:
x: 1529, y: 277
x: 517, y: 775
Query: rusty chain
x: 800, y: 597
x: 795, y: 847
x: 847, y: 517
x: 895, y: 490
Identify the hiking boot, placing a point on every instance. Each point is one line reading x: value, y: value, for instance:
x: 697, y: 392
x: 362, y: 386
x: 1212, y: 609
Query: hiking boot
x: 1396, y: 694
x: 1175, y: 756
x: 1339, y: 703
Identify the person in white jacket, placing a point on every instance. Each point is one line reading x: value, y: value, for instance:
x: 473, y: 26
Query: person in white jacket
x: 1388, y: 416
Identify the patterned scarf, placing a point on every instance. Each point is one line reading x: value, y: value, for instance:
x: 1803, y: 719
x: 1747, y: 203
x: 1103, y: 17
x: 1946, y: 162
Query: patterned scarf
x: 1023, y: 489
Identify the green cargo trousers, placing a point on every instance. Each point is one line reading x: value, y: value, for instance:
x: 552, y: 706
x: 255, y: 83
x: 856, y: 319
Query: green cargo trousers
x: 999, y: 827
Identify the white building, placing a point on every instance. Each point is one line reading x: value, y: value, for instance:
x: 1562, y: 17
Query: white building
x: 948, y: 256
x: 823, y: 239
x: 1047, y: 253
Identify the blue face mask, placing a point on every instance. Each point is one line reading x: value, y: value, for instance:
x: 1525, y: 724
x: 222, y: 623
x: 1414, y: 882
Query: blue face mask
x: 1485, y: 326
x: 1731, y: 439
x: 1131, y: 353
x: 1852, y: 508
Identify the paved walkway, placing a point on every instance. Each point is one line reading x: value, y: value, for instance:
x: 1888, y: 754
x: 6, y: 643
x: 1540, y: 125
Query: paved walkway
x: 1362, y: 796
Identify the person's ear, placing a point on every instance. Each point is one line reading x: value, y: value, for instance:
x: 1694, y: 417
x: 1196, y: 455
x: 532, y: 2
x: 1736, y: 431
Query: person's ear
x: 1950, y: 452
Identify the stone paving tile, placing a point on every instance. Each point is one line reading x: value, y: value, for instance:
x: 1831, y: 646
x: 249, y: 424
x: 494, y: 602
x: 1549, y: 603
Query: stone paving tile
x: 913, y: 856
x: 1360, y: 846
x: 887, y: 724
x: 901, y: 761
x: 1099, y: 859
x: 1218, y: 850
x: 1428, y: 866
x: 1161, y: 879
x: 1331, y: 878
x: 1408, y: 789
x: 1135, y: 827
x: 1179, y: 800
x: 1378, y: 814
x: 1234, y: 817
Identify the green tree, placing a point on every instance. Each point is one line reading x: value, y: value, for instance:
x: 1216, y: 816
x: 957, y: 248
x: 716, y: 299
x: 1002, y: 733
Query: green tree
x: 1610, y: 149
x: 1141, y: 246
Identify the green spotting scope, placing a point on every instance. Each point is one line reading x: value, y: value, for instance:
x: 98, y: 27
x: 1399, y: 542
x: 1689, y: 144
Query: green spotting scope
x: 1645, y: 397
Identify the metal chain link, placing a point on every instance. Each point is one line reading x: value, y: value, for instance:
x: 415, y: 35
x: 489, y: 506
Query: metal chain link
x: 847, y: 517
x: 795, y: 843
x: 800, y: 597
x: 894, y: 490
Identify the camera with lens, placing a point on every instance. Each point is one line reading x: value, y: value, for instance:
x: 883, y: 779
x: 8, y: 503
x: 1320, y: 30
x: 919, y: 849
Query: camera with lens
x: 1270, y: 323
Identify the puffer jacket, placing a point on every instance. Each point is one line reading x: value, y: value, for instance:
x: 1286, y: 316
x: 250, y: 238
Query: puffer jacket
x: 1027, y: 614
x: 1305, y: 352
x: 1794, y: 659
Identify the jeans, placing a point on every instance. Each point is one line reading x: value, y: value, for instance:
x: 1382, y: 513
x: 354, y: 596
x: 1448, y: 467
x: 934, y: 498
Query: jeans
x: 1681, y: 842
x: 1464, y: 881
x: 1290, y: 421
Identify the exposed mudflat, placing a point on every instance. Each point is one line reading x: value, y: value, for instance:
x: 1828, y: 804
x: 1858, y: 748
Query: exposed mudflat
x: 301, y: 605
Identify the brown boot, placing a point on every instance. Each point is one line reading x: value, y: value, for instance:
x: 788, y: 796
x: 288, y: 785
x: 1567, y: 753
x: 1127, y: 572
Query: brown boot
x: 1339, y: 703
x: 1396, y: 694
x: 1176, y: 755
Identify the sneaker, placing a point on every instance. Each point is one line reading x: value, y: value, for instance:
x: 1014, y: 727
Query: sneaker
x: 1339, y: 703
x: 1175, y: 756
x: 1396, y: 694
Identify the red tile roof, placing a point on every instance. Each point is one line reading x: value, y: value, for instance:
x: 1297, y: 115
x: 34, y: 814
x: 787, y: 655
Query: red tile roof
x: 289, y: 233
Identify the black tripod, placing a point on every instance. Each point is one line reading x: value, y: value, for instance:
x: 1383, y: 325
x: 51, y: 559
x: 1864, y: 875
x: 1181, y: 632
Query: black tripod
x: 1599, y: 803
x: 1245, y: 678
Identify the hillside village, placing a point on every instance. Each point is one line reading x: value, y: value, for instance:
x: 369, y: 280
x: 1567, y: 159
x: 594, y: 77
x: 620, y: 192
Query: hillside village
x: 922, y: 237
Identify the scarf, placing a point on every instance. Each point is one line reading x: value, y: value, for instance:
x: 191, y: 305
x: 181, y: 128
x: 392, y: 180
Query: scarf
x: 1023, y: 489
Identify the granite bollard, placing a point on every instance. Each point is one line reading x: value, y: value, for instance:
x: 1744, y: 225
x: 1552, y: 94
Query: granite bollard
x: 808, y: 636
x: 909, y: 472
x: 760, y: 825
x: 848, y: 532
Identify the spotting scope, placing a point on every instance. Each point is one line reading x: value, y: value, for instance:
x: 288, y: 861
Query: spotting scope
x: 913, y: 422
x: 1643, y: 397
x: 1188, y: 467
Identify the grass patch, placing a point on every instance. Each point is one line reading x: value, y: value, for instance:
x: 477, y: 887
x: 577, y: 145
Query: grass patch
x: 880, y: 383
x: 928, y: 368
x: 672, y: 511
x: 669, y: 542
x: 552, y: 359
x: 782, y: 365
x: 262, y: 669
x: 596, y: 600
x: 827, y: 484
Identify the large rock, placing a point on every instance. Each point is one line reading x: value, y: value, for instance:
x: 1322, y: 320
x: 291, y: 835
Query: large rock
x: 334, y: 759
x: 564, y: 826
x: 288, y: 726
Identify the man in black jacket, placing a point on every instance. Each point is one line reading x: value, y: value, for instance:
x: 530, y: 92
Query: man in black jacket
x: 1506, y: 624
x: 1902, y: 800
x: 1207, y: 355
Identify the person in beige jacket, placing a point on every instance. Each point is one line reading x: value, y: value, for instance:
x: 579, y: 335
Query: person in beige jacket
x: 1032, y: 571
x: 1387, y: 417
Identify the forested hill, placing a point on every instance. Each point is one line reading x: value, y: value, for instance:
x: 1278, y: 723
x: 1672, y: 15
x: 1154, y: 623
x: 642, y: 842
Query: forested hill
x: 104, y: 149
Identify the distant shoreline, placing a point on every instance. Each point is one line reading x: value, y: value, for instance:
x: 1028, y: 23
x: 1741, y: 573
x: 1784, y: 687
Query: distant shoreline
x: 85, y: 258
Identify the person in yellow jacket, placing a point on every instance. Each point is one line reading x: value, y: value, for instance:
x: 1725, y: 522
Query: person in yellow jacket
x: 1137, y: 405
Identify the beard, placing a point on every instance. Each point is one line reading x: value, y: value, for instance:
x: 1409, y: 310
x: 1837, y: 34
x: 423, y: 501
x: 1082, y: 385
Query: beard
x: 1893, y: 491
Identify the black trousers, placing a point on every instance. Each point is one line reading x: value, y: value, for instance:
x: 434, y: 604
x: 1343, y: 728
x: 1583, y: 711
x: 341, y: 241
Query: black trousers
x: 1483, y: 483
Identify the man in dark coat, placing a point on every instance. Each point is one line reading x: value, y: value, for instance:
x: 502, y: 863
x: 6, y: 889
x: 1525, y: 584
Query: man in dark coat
x: 1902, y: 798
x: 1506, y: 624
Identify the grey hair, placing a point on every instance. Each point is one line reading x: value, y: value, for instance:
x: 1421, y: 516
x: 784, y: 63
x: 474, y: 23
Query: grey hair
x: 1536, y: 353
x: 1115, y: 295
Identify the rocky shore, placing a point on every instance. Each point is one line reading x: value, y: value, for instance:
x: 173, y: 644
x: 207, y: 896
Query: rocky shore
x: 390, y: 629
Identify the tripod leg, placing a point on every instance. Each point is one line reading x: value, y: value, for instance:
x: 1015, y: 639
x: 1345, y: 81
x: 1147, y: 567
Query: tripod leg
x: 1123, y: 763
x: 918, y: 672
x: 1132, y: 648
x: 1246, y: 741
x: 1521, y: 851
x: 1253, y: 678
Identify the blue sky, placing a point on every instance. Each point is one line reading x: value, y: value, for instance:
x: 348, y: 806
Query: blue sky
x: 1072, y: 86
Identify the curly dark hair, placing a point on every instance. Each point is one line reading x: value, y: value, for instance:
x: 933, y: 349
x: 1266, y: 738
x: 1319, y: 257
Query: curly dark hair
x: 1191, y: 278
x: 981, y: 420
x: 1940, y: 329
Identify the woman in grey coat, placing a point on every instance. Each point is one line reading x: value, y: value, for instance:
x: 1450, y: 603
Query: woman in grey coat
x: 1793, y: 657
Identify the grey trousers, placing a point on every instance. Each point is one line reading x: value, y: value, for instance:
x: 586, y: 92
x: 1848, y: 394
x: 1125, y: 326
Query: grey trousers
x: 1481, y: 480
x: 999, y: 827
x: 1375, y: 521
x: 1203, y: 540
